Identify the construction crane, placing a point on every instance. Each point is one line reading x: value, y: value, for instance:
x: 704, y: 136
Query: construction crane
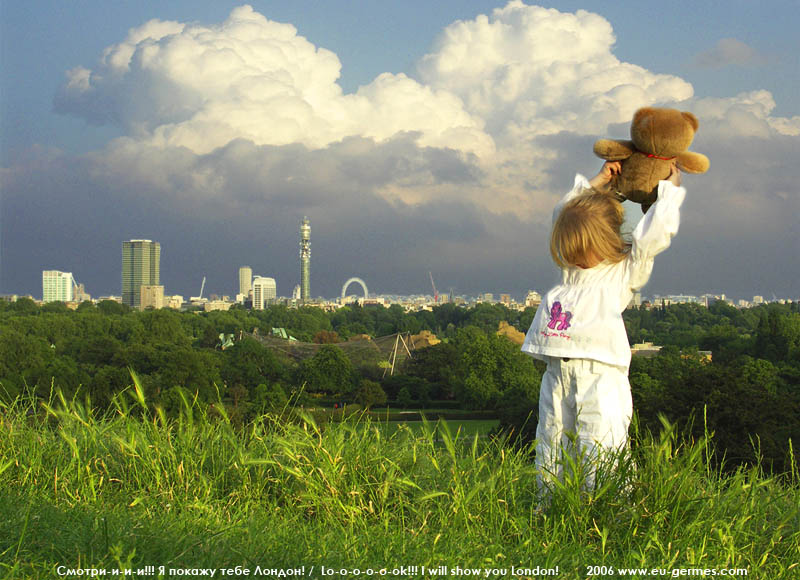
x: 435, y: 293
x: 199, y: 298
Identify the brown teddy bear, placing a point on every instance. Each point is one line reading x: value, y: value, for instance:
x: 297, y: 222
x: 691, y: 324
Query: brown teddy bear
x: 659, y: 138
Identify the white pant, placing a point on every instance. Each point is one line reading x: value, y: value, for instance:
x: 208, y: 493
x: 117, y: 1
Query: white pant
x: 582, y: 403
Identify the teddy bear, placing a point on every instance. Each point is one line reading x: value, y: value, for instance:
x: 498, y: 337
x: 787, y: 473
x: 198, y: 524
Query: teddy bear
x: 659, y: 138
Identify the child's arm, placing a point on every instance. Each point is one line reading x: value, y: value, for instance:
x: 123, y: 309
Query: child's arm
x: 654, y: 232
x: 598, y: 182
x: 607, y: 172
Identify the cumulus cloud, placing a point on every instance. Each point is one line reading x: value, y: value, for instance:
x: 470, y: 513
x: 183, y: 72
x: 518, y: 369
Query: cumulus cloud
x: 530, y: 71
x: 729, y: 52
x: 747, y: 114
x: 234, y: 131
x: 201, y: 87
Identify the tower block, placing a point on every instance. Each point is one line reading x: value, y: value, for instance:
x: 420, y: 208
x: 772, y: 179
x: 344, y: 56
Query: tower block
x: 305, y: 260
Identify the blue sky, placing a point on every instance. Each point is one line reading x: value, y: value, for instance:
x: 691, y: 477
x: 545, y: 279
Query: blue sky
x: 412, y: 141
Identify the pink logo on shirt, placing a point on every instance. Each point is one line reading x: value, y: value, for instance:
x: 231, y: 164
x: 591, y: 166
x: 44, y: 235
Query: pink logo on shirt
x: 559, y: 317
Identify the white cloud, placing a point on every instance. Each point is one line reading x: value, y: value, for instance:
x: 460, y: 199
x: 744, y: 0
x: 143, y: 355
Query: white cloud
x: 529, y: 71
x: 747, y: 114
x: 201, y: 87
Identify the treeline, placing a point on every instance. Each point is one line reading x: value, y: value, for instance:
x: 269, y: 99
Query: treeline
x: 91, y: 351
x: 748, y: 395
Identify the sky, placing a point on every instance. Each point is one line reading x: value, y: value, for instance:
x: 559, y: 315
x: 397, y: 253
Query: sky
x: 416, y: 136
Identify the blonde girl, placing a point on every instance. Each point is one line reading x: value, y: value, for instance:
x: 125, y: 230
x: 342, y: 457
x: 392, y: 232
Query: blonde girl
x: 585, y: 397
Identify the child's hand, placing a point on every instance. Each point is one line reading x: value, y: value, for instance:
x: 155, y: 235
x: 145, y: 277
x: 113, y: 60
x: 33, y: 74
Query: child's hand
x: 607, y: 172
x: 674, y: 175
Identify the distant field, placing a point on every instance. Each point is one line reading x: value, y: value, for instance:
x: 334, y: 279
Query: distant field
x: 464, y: 429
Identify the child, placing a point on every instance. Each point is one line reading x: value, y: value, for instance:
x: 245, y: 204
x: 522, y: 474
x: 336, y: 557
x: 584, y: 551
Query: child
x: 578, y: 329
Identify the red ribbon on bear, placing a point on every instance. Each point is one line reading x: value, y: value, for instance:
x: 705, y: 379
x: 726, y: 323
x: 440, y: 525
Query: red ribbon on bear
x: 662, y: 158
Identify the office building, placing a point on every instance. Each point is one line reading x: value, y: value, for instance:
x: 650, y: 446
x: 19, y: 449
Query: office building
x: 141, y: 266
x: 245, y: 281
x: 305, y: 260
x: 264, y: 292
x: 151, y: 296
x: 57, y: 286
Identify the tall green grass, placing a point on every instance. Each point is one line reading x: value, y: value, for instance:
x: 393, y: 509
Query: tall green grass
x: 131, y: 487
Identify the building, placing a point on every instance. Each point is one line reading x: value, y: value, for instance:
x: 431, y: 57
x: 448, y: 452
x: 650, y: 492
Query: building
x: 81, y: 295
x: 305, y: 259
x: 264, y: 292
x: 245, y: 282
x: 645, y: 349
x: 212, y: 305
x: 151, y: 296
x: 175, y: 302
x: 57, y: 286
x: 533, y: 299
x: 141, y: 266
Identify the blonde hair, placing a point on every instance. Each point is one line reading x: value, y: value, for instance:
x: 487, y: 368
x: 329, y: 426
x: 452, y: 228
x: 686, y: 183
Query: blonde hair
x: 589, y: 226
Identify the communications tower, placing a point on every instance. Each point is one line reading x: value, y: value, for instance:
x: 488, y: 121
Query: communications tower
x: 305, y: 260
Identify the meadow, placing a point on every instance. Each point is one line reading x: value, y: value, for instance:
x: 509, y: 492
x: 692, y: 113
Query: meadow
x: 133, y: 489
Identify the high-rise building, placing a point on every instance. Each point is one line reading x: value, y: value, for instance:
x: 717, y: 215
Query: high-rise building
x: 57, y: 286
x: 151, y: 297
x: 141, y: 266
x: 245, y: 281
x: 264, y: 291
x: 305, y: 259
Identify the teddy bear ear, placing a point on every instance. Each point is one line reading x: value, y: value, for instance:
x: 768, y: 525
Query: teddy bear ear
x: 613, y: 149
x: 640, y: 113
x: 691, y: 118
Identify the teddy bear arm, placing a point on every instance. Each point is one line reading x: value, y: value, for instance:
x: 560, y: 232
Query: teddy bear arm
x: 691, y: 162
x: 613, y: 149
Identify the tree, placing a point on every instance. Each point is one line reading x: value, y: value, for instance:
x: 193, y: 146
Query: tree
x: 778, y: 336
x: 328, y: 371
x: 369, y: 394
x: 326, y: 337
x: 248, y: 363
x: 112, y: 307
x: 267, y: 398
x: 404, y: 397
x: 24, y: 305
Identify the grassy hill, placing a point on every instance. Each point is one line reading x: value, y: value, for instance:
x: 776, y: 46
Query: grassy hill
x: 130, y: 488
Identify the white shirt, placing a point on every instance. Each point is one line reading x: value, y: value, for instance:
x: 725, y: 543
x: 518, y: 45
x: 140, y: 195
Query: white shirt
x: 582, y: 316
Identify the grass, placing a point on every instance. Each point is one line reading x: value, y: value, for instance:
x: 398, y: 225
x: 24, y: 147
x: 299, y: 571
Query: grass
x: 131, y: 488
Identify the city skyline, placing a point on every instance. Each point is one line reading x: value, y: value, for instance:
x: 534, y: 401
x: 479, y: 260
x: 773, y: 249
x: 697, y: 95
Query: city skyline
x: 416, y: 138
x: 261, y: 291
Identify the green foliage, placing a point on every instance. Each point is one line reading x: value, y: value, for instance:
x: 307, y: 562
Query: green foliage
x: 86, y: 489
x: 752, y: 412
x: 475, y: 367
x: 269, y: 398
x: 408, y: 390
x: 328, y: 371
x: 369, y: 394
x: 248, y: 363
x: 404, y: 398
x: 748, y: 395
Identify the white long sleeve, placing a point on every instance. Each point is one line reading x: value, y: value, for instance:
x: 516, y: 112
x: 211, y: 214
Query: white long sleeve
x: 582, y: 316
x: 654, y: 232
